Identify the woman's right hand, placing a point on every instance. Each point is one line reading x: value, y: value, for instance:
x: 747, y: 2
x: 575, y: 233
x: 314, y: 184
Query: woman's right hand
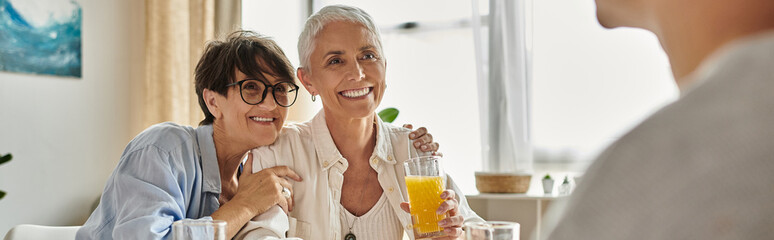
x: 262, y: 190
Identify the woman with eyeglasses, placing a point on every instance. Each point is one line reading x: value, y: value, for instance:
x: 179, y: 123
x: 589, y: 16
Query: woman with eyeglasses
x: 171, y: 172
x: 351, y: 161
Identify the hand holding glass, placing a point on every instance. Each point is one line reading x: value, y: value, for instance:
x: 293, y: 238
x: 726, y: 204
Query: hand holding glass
x: 424, y: 184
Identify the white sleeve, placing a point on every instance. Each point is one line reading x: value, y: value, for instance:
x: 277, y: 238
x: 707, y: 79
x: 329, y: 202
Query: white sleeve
x: 467, y: 213
x: 272, y: 224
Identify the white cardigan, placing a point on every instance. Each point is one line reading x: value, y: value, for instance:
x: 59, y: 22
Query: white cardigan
x: 309, y: 150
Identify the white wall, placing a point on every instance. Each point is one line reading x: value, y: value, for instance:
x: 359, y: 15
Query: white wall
x: 67, y: 134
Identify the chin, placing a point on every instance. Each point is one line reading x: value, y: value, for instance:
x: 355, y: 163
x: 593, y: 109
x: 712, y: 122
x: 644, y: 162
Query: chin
x: 265, y: 137
x: 603, y: 17
x: 363, y: 111
x: 354, y: 111
x: 614, y: 14
x: 604, y: 21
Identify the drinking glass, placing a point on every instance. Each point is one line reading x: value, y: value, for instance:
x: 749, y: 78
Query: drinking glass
x: 188, y: 229
x: 424, y: 184
x: 492, y: 230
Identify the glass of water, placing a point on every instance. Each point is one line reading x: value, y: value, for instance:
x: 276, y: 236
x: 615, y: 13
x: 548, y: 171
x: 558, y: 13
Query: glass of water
x: 492, y: 230
x: 204, y: 229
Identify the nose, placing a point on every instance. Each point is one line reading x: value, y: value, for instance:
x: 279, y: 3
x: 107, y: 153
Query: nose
x: 268, y: 102
x: 356, y: 72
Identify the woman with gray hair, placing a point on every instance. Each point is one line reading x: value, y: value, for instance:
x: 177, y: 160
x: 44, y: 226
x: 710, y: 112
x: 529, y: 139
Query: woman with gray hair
x: 351, y: 161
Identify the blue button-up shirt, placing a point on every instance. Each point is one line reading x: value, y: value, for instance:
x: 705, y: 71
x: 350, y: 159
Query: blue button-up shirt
x: 167, y: 173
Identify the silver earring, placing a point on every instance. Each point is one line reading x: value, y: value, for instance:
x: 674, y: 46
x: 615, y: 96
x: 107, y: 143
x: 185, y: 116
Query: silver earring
x: 314, y: 97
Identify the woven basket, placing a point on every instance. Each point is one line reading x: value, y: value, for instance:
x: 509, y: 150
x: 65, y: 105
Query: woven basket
x: 502, y: 182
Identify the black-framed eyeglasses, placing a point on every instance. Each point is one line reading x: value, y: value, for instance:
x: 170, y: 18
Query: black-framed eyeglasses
x: 253, y: 91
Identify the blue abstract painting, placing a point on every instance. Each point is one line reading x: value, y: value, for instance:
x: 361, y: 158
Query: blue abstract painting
x: 40, y: 37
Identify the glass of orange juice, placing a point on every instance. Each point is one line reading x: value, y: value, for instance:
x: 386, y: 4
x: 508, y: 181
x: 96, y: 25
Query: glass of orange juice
x: 424, y: 184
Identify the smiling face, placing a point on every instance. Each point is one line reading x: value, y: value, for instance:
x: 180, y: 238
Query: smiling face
x: 256, y: 125
x: 346, y: 69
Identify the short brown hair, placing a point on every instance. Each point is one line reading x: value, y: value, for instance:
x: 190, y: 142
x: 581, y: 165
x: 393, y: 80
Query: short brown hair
x: 241, y: 50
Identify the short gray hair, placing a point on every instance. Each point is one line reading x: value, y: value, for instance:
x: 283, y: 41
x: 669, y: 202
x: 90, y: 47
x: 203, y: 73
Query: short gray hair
x: 315, y: 23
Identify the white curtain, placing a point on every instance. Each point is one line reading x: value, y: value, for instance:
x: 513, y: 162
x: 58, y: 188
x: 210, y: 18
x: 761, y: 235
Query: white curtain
x: 503, y: 59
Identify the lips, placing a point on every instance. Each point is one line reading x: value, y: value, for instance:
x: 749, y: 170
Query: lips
x: 356, y: 93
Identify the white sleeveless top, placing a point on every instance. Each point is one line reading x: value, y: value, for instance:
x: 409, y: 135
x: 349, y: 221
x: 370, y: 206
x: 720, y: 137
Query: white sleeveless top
x: 380, y: 222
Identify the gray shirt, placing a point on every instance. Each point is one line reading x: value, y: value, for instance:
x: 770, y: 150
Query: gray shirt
x: 700, y: 168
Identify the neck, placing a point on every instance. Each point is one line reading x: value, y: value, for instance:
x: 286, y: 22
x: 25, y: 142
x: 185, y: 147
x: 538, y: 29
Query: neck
x: 229, y: 154
x: 690, y: 32
x: 354, y: 137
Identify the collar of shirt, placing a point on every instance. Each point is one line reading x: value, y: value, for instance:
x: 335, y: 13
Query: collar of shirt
x: 209, y: 160
x: 329, y: 154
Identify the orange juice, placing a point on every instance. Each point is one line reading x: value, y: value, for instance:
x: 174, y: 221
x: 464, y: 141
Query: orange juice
x: 425, y: 197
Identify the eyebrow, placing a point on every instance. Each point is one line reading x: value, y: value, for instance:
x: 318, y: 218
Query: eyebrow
x: 277, y: 79
x: 338, y: 52
x: 367, y: 47
x: 335, y: 52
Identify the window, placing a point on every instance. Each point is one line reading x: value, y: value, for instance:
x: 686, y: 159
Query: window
x: 589, y: 86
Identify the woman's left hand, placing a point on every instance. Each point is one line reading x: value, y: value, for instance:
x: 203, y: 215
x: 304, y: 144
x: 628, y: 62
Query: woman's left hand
x: 452, y: 225
x: 423, y: 140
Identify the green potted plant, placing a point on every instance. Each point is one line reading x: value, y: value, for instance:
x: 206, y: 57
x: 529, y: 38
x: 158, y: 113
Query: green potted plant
x: 566, y: 186
x: 4, y: 159
x: 548, y: 184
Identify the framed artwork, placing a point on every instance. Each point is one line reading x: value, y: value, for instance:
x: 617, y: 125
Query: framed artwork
x: 41, y: 37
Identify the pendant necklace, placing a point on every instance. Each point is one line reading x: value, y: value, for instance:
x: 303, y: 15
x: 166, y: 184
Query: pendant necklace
x: 350, y: 235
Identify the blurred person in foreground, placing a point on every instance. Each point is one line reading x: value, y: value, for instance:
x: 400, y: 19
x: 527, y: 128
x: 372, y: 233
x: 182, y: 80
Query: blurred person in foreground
x: 701, y: 167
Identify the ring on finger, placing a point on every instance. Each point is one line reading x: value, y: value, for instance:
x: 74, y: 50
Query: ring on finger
x: 285, y: 192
